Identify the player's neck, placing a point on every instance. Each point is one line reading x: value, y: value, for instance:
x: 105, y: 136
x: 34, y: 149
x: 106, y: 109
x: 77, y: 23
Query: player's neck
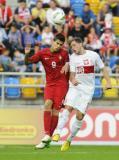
x: 52, y: 50
x: 82, y: 52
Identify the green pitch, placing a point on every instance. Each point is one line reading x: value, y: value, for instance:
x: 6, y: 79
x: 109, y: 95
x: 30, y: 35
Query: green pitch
x: 24, y: 152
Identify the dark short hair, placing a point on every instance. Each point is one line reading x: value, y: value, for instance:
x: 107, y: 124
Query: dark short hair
x: 60, y: 37
x: 86, y: 4
x: 76, y: 39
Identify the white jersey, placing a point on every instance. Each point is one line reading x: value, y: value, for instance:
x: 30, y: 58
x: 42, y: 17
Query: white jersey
x: 84, y: 67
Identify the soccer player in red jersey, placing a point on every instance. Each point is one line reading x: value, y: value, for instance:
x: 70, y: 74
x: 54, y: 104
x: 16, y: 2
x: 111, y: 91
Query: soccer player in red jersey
x: 55, y: 61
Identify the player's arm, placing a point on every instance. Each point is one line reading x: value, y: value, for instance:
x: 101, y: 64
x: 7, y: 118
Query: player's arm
x: 65, y: 68
x: 104, y: 71
x: 31, y: 59
x: 107, y: 78
x: 73, y: 79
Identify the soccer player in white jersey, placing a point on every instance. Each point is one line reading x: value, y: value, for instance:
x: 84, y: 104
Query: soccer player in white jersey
x: 81, y: 89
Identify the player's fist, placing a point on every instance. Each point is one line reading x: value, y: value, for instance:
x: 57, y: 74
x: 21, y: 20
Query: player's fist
x: 27, y: 50
x: 75, y: 82
x: 65, y: 68
x: 108, y: 86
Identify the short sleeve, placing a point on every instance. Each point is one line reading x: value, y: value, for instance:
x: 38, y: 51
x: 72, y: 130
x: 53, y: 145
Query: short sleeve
x: 36, y: 57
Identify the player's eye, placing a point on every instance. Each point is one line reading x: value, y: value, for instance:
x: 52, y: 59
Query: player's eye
x: 60, y: 44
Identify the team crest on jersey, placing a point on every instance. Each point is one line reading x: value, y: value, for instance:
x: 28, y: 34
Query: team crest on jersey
x: 46, y: 58
x: 86, y: 62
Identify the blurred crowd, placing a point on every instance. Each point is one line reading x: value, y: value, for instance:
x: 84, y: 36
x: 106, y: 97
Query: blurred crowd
x: 29, y: 25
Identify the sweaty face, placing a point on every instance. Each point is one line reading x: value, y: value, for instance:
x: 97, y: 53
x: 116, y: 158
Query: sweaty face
x: 57, y: 45
x: 76, y: 47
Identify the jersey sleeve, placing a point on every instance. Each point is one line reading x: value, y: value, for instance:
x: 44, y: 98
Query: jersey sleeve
x: 72, y: 64
x: 99, y: 61
x: 33, y: 59
x: 36, y: 57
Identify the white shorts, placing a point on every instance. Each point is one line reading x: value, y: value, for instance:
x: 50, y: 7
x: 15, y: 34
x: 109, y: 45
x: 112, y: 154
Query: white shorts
x: 77, y: 99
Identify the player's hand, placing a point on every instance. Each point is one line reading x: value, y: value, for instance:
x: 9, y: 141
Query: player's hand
x: 65, y: 69
x: 27, y: 50
x: 108, y: 86
x: 75, y: 82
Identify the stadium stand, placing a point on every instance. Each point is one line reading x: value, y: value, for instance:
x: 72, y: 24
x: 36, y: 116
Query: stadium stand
x: 112, y: 93
x: 12, y: 92
x: 116, y: 25
x: 98, y: 91
x: 94, y: 5
x: 30, y: 92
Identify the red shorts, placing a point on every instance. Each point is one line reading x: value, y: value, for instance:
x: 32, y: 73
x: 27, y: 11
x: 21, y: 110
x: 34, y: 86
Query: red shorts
x: 56, y: 94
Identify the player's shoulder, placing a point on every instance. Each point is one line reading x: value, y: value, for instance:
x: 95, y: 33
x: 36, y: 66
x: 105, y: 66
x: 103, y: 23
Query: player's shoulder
x: 45, y: 50
x: 64, y: 50
x: 73, y: 56
x: 92, y: 53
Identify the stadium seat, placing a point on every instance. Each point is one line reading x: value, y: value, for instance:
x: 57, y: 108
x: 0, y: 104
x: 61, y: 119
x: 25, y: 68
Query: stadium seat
x: 116, y: 25
x: 111, y: 93
x: 12, y: 92
x: 94, y: 5
x: 30, y: 92
x: 98, y: 91
x: 112, y: 61
x: 40, y: 81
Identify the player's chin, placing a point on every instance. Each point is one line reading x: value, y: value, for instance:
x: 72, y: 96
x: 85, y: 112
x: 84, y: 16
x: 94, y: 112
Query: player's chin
x: 56, y: 49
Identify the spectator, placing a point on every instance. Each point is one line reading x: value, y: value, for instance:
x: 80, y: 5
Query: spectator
x: 47, y: 37
x: 108, y: 20
x: 39, y: 14
x: 109, y: 42
x: 5, y: 14
x: 100, y: 23
x: 18, y: 60
x: 14, y: 38
x: 76, y: 31
x: 114, y: 6
x: 77, y: 7
x: 93, y: 41
x: 38, y: 39
x: 28, y: 33
x: 6, y: 61
x: 87, y: 19
x: 70, y: 19
x: 22, y: 15
x: 3, y: 37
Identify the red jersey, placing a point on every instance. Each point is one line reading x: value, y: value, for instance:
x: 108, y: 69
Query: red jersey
x: 5, y: 14
x: 53, y: 63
